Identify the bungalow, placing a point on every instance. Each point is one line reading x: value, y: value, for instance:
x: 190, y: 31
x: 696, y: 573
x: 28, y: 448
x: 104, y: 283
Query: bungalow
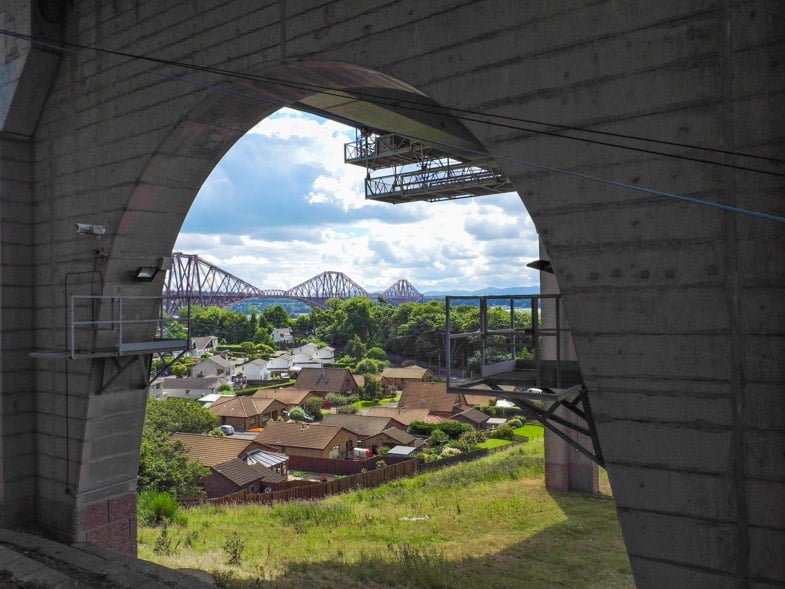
x: 244, y: 413
x: 213, y: 366
x: 393, y: 379
x: 474, y: 417
x: 432, y: 396
x: 282, y: 335
x: 183, y: 388
x: 326, y: 380
x: 203, y: 345
x: 375, y: 432
x: 255, y: 371
x: 320, y: 441
x: 404, y: 416
x: 231, y: 468
x: 290, y: 397
x: 279, y: 364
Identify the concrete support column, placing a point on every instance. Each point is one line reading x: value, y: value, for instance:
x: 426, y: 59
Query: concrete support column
x: 566, y: 469
x: 17, y: 398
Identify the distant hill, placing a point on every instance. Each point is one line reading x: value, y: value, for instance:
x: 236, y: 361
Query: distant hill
x: 490, y: 291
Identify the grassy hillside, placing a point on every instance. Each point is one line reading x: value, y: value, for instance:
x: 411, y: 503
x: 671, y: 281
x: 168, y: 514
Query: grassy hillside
x: 489, y: 523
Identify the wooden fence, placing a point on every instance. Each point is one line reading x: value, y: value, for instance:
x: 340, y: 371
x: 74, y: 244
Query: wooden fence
x: 314, y: 490
x: 337, y: 466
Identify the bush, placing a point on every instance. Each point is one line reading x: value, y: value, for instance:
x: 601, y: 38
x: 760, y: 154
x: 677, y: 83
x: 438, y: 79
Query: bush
x: 438, y: 437
x: 473, y: 437
x: 504, y: 432
x: 233, y: 547
x: 514, y: 422
x: 346, y: 410
x: 156, y: 508
x: 376, y: 353
x: 452, y: 428
x: 338, y: 400
x: 449, y: 452
x: 297, y: 414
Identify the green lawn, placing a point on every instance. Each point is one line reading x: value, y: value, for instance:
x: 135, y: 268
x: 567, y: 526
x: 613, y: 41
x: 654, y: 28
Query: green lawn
x: 531, y: 431
x: 368, y: 404
x: 482, y: 524
x: 493, y: 443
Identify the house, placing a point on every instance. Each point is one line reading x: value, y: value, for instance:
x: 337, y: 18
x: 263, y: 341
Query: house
x: 393, y: 379
x: 237, y: 475
x: 203, y: 345
x: 474, y: 417
x: 307, y: 349
x: 255, y: 371
x: 183, y: 388
x: 228, y: 461
x: 320, y: 441
x: 432, y: 396
x: 208, y: 400
x: 326, y: 354
x: 282, y: 335
x: 290, y: 397
x: 326, y: 380
x: 213, y: 366
x: 475, y: 400
x: 244, y: 413
x: 375, y: 432
x: 404, y: 416
x: 359, y: 379
x: 273, y: 460
x: 212, y: 450
x: 279, y: 364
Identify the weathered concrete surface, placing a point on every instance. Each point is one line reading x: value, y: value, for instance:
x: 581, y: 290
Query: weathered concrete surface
x: 676, y: 309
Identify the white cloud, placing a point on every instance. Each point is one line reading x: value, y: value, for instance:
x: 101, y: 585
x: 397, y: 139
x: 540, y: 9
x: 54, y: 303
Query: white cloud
x: 286, y: 237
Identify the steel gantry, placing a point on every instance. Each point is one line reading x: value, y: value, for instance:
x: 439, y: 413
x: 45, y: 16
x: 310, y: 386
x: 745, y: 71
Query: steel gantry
x: 417, y: 170
x: 204, y: 284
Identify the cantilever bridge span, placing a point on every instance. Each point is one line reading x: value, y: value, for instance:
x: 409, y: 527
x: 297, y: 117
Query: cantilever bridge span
x: 205, y: 284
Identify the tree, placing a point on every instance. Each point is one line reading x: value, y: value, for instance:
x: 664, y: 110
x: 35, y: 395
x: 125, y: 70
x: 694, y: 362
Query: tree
x: 313, y: 407
x: 276, y: 316
x: 297, y: 414
x: 376, y: 353
x: 372, y: 389
x: 177, y: 415
x: 355, y: 348
x: 368, y: 366
x: 179, y: 369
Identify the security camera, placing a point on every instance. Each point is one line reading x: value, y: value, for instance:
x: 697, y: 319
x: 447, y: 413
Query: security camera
x: 88, y: 229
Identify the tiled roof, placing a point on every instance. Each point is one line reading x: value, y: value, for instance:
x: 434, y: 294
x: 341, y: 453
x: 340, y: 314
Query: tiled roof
x: 298, y: 436
x: 474, y: 415
x: 363, y: 425
x: 285, y: 396
x: 404, y: 416
x: 428, y: 395
x: 359, y: 379
x: 212, y: 450
x: 474, y: 400
x: 241, y: 473
x: 220, y: 360
x: 331, y: 380
x: 243, y: 406
x: 400, y: 436
x: 415, y: 372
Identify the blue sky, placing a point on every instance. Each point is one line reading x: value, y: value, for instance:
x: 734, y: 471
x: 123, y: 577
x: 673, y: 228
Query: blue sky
x: 281, y: 206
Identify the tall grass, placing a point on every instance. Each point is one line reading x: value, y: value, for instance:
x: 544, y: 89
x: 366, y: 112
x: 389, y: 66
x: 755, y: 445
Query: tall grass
x: 156, y: 508
x: 485, y: 524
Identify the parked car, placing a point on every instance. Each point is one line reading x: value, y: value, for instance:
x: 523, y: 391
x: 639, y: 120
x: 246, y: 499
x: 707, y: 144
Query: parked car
x: 228, y: 430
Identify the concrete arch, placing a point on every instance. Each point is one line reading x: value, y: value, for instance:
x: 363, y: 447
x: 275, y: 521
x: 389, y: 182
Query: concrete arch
x: 674, y: 308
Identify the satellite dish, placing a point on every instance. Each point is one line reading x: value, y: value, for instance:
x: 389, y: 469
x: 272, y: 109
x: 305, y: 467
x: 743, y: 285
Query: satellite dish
x: 268, y: 489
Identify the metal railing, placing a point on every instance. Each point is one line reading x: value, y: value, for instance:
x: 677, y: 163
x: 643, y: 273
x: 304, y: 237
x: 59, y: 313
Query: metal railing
x: 512, y: 339
x: 122, y: 325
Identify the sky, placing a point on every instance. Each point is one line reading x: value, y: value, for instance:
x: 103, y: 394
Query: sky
x: 281, y: 207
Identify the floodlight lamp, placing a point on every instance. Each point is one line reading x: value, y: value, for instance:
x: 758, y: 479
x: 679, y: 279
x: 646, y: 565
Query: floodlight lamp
x: 90, y: 229
x: 541, y: 265
x: 146, y: 273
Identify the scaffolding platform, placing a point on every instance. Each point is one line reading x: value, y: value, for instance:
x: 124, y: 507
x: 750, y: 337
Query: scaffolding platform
x: 420, y: 171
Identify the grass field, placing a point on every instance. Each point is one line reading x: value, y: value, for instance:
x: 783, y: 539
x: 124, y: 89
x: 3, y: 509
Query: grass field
x: 485, y: 524
x: 368, y: 404
x: 493, y: 443
x: 531, y: 431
